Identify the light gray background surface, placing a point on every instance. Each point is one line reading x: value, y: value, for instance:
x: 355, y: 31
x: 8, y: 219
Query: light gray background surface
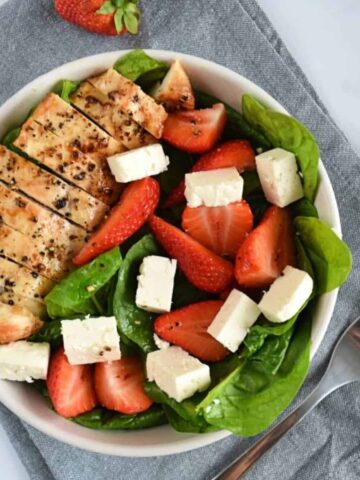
x: 323, y: 36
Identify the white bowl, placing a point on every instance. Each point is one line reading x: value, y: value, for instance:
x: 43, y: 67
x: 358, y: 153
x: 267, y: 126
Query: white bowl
x: 28, y: 404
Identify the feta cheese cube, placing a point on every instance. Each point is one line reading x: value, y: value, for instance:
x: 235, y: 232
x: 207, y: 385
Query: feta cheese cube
x: 160, y: 343
x: 213, y: 188
x: 235, y: 317
x: 24, y: 361
x: 138, y: 163
x: 156, y: 284
x: 177, y: 373
x: 91, y: 340
x: 286, y: 295
x: 278, y: 173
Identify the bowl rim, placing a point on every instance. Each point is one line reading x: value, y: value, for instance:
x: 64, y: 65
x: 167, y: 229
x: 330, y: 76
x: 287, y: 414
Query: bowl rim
x: 326, y: 303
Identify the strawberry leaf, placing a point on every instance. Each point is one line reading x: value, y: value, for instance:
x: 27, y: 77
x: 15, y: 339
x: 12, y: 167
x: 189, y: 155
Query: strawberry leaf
x: 132, y: 8
x: 131, y: 22
x: 118, y: 19
x: 120, y: 3
x: 106, y: 9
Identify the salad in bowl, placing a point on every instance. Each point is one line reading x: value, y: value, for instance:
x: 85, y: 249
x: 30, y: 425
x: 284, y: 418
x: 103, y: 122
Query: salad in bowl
x: 161, y: 253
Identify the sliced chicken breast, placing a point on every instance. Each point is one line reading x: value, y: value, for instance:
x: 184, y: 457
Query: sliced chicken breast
x: 61, y: 118
x: 28, y: 217
x: 17, y: 323
x: 109, y: 116
x: 51, y: 262
x: 19, y: 280
x: 68, y: 201
x: 131, y: 100
x: 68, y: 162
x: 36, y: 307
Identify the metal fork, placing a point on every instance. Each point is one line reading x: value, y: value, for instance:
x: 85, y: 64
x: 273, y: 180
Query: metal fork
x: 343, y: 368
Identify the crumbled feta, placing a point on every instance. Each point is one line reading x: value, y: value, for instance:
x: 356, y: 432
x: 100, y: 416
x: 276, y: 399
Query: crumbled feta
x: 232, y: 322
x: 177, y: 373
x: 138, y: 163
x: 24, y: 361
x: 91, y: 340
x: 156, y: 284
x: 286, y: 295
x: 278, y: 173
x: 213, y: 188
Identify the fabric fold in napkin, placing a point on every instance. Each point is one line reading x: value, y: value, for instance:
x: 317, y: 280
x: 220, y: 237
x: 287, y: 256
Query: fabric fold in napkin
x: 237, y: 34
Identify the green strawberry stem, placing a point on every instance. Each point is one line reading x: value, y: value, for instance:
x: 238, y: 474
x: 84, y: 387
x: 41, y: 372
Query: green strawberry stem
x: 126, y: 14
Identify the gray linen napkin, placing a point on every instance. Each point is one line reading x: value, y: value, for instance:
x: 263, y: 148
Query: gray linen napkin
x: 237, y: 34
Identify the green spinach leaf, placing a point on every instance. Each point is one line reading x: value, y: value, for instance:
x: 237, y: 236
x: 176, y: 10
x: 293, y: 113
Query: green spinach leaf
x: 179, y: 424
x: 249, y: 400
x: 252, y: 183
x: 185, y: 293
x: 270, y: 356
x: 102, y: 419
x: 303, y: 261
x: 304, y: 208
x: 329, y: 255
x: 286, y: 132
x: 73, y: 296
x: 65, y: 88
x: 184, y: 414
x: 50, y: 332
x: 180, y: 163
x: 133, y: 322
x: 237, y: 126
x: 140, y: 68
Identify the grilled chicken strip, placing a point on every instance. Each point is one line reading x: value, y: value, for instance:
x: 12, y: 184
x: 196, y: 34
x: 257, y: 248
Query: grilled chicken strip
x: 68, y: 162
x: 21, y: 286
x: 33, y: 220
x: 50, y: 261
x: 17, y: 323
x: 131, y: 100
x: 108, y: 115
x: 19, y: 280
x: 57, y: 116
x: 37, y: 307
x: 68, y: 201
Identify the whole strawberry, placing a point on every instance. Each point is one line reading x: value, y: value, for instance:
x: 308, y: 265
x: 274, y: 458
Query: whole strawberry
x: 111, y: 17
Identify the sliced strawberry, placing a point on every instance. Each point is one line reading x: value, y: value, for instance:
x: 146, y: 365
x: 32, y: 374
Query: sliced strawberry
x: 119, y: 385
x: 187, y: 328
x: 195, y: 131
x: 221, y: 229
x: 70, y: 387
x: 137, y: 202
x: 234, y: 153
x: 267, y: 250
x: 203, y: 268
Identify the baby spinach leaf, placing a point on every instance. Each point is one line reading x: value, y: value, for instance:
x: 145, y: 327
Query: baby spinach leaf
x: 252, y: 183
x: 50, y: 332
x: 185, y: 293
x: 270, y: 356
x: 329, y: 255
x: 249, y: 400
x: 286, y: 132
x: 304, y: 208
x: 72, y: 297
x: 237, y: 126
x: 259, y: 332
x: 133, y: 322
x: 10, y: 137
x: 180, y: 163
x: 181, y: 425
x: 65, y: 88
x: 141, y: 68
x: 223, y: 368
x: 102, y: 419
x: 185, y: 410
x: 303, y: 261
